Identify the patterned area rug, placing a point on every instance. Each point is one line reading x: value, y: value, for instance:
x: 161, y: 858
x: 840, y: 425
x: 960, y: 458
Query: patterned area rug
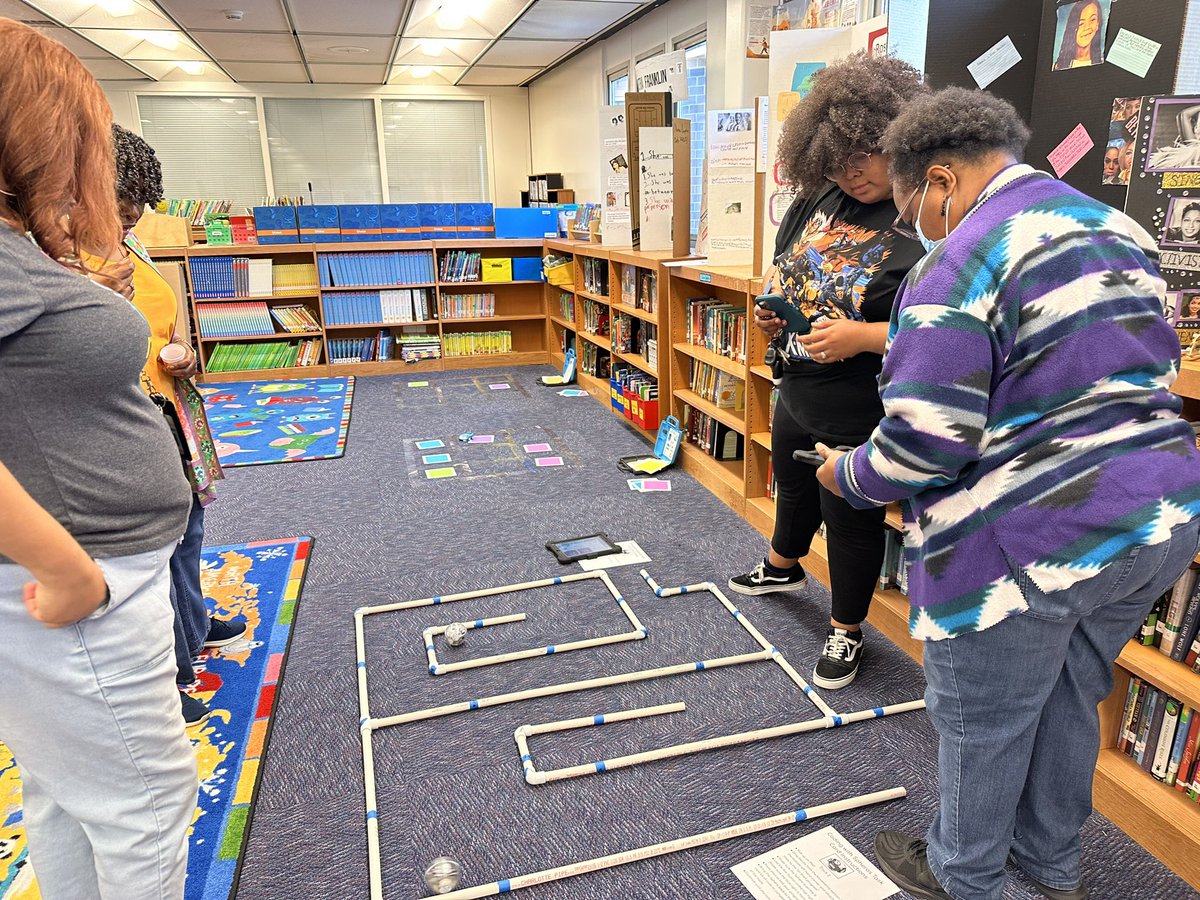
x: 259, y: 422
x: 259, y: 583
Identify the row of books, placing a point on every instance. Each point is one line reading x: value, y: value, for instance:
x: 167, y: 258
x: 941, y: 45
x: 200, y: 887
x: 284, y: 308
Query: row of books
x: 470, y: 343
x: 720, y: 388
x: 225, y: 276
x: 1173, y: 625
x: 623, y: 328
x: 288, y: 223
x: 717, y: 326
x: 468, y: 306
x: 894, y: 571
x: 715, y: 438
x: 297, y: 319
x: 1160, y: 734
x: 376, y: 348
x: 594, y: 360
x: 595, y: 275
x: 264, y: 355
x: 566, y: 305
x: 639, y: 288
x: 221, y: 320
x: 193, y: 210
x: 293, y: 278
x: 379, y: 268
x: 373, y: 307
x: 595, y: 317
x: 415, y: 347
x: 460, y: 265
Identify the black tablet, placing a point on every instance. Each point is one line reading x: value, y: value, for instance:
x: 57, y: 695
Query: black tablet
x: 587, y: 547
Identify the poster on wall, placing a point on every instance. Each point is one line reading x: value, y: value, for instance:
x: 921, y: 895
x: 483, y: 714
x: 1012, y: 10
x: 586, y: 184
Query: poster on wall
x: 1164, y: 198
x: 1122, y: 132
x: 759, y: 17
x: 1079, y: 38
x: 731, y: 143
x: 616, y: 216
x: 666, y: 72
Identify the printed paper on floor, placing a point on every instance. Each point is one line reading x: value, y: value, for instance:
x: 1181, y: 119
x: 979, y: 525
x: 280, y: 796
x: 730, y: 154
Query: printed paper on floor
x: 819, y: 866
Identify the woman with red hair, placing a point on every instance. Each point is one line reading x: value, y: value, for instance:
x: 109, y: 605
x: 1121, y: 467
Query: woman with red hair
x: 92, y: 503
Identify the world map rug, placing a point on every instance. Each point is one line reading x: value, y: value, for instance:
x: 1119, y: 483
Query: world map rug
x: 259, y: 422
x: 259, y: 584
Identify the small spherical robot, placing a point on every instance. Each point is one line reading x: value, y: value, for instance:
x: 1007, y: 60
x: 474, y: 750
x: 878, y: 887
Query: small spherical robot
x: 456, y: 633
x: 443, y: 874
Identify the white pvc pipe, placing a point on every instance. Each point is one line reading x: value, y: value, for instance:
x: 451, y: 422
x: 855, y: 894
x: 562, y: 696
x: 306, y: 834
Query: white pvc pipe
x: 624, y: 715
x: 433, y: 631
x: 685, y: 843
x: 436, y: 668
x: 486, y: 592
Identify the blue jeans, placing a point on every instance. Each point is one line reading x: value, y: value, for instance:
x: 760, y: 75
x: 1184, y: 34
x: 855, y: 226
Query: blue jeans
x: 187, y: 599
x: 91, y: 715
x: 1014, y: 706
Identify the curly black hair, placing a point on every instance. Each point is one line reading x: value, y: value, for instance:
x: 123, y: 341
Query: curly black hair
x: 850, y: 105
x: 139, y: 175
x: 954, y: 123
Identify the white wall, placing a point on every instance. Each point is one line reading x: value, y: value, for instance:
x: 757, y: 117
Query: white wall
x: 506, y: 109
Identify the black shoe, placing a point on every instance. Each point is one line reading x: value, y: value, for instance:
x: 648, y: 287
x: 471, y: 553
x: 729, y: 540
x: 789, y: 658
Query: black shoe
x: 903, y: 859
x: 221, y: 632
x: 839, y: 660
x: 1075, y: 893
x: 759, y: 581
x: 194, y: 711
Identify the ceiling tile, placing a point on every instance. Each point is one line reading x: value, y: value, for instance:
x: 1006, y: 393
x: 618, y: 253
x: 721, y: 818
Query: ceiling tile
x: 564, y: 19
x: 14, y: 9
x: 245, y: 72
x: 317, y: 48
x: 87, y: 14
x: 165, y: 70
x: 82, y: 48
x: 414, y: 52
x: 526, y: 53
x: 132, y: 47
x: 489, y: 21
x: 330, y: 73
x: 497, y: 76
x: 439, y: 75
x: 113, y: 70
x: 323, y: 17
x: 257, y: 15
x: 251, y: 46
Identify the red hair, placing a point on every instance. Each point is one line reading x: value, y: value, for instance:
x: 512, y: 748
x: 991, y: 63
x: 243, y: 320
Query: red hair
x: 56, y: 157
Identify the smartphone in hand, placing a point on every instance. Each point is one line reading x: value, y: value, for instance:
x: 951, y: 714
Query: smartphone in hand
x: 795, y: 322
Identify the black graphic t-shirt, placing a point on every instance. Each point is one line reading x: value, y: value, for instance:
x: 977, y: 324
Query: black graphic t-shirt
x: 838, y: 258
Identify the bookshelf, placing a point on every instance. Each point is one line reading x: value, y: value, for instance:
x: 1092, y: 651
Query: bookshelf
x: 515, y: 306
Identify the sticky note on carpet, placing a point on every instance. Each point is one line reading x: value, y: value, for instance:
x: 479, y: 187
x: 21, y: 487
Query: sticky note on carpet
x: 543, y: 461
x: 429, y: 445
x: 435, y: 458
x: 440, y: 473
x: 418, y: 384
x: 500, y: 387
x: 482, y: 439
x: 537, y: 448
x: 572, y: 392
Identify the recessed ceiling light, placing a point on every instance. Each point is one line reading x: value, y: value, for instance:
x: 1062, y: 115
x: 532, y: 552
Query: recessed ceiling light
x: 191, y: 67
x: 420, y: 71
x: 433, y: 48
x: 117, y: 8
x: 164, y: 39
x: 451, y: 15
x: 346, y: 48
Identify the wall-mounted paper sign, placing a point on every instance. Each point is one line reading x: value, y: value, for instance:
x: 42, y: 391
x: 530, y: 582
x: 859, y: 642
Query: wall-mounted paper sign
x: 1133, y: 52
x: 667, y: 72
x: 1073, y: 148
x: 995, y: 62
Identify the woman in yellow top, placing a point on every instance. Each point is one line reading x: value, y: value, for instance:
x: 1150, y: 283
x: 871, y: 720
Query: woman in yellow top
x: 169, y: 368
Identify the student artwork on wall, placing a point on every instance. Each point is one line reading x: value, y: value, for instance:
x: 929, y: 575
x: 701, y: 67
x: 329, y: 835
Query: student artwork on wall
x: 731, y: 151
x: 1079, y: 39
x: 1173, y: 144
x: 1183, y: 223
x: 1122, y: 130
x: 614, y: 178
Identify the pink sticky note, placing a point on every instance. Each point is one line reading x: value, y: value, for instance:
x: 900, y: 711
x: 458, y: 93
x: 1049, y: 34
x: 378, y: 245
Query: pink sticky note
x: 656, y: 484
x: 500, y: 387
x: 537, y: 448
x: 548, y: 461
x: 482, y: 439
x: 1073, y: 148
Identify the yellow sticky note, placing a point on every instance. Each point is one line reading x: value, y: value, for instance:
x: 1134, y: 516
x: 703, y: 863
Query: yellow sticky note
x: 648, y: 466
x: 552, y: 379
x: 447, y: 472
x: 418, y: 384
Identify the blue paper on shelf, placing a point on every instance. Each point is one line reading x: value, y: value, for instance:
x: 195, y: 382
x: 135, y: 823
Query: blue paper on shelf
x: 359, y: 221
x: 527, y: 268
x: 474, y: 220
x: 437, y: 221
x: 276, y: 224
x: 318, y: 224
x: 400, y: 221
x: 525, y: 222
x: 666, y: 448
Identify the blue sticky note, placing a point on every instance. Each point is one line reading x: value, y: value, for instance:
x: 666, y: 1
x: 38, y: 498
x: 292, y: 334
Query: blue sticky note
x: 435, y: 458
x: 429, y: 445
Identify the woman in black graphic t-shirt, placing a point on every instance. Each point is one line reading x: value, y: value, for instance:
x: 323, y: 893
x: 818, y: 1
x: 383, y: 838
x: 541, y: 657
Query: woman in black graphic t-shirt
x: 839, y: 262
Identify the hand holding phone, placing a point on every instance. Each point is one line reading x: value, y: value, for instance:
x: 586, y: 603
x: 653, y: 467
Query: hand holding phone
x: 814, y: 458
x: 795, y: 322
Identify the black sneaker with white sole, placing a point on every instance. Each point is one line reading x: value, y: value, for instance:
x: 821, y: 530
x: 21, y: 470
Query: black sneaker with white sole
x: 761, y: 580
x: 839, y: 660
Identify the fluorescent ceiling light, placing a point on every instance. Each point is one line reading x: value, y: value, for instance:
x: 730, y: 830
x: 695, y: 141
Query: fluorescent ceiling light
x: 191, y: 67
x: 420, y: 71
x: 164, y: 39
x: 117, y: 8
x: 433, y: 48
x: 451, y: 15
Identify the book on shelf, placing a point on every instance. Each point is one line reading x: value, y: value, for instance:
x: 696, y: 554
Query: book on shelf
x: 293, y: 278
x: 376, y: 307
x: 1160, y: 733
x: 416, y: 347
x: 712, y: 436
x: 647, y: 291
x: 221, y: 320
x: 468, y: 306
x: 566, y: 306
x: 594, y: 361
x: 595, y: 317
x: 400, y: 221
x: 296, y: 319
x: 193, y: 210
x: 373, y: 269
x: 318, y: 224
x: 720, y: 388
x: 234, y: 357
x: 460, y: 265
x: 1182, y: 595
x: 629, y: 279
x: 471, y: 343
x: 595, y: 275
x: 359, y: 222
x: 717, y: 326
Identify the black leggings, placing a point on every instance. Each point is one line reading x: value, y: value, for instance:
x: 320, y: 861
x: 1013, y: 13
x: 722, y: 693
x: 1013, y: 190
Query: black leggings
x: 854, y: 537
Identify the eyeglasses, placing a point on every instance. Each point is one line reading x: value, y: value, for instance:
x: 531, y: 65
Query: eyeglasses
x: 855, y: 162
x: 901, y: 227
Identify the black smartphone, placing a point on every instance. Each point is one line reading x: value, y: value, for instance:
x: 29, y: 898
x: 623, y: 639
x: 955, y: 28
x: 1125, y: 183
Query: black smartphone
x: 812, y: 457
x: 795, y: 322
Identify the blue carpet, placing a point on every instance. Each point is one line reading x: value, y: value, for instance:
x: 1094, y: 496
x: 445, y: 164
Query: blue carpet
x: 453, y: 786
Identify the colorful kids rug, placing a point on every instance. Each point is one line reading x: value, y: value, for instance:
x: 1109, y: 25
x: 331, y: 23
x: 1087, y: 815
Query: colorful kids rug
x: 259, y: 422
x: 259, y: 583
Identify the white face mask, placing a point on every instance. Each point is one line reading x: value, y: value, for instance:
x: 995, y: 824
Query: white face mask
x: 929, y: 245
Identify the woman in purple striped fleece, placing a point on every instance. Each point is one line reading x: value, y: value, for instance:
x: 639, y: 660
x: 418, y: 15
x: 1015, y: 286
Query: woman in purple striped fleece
x: 1050, y: 489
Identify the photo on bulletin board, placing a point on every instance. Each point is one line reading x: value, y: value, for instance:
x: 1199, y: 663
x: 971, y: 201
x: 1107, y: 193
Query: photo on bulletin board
x: 1183, y: 223
x: 1122, y: 133
x: 1174, y: 144
x: 1079, y: 38
x: 1187, y: 309
x: 1170, y: 304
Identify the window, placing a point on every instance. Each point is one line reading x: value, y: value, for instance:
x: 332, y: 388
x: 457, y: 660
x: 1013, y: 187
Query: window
x: 209, y: 147
x: 436, y: 150
x: 329, y: 145
x: 618, y: 87
x: 693, y: 108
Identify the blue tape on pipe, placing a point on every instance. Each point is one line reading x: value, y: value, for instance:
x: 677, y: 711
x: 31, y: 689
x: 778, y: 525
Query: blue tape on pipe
x: 620, y: 599
x: 550, y: 650
x: 479, y: 623
x: 600, y: 767
x: 683, y: 590
x: 362, y: 665
x: 474, y: 704
x: 525, y: 757
x: 879, y: 713
x: 837, y: 720
x: 807, y: 690
x: 429, y: 646
x: 371, y: 814
x: 737, y: 613
x: 503, y: 887
x: 699, y: 666
x: 597, y: 720
x: 645, y: 633
x: 801, y: 815
x: 433, y: 670
x: 363, y: 721
x: 558, y: 581
x: 437, y: 600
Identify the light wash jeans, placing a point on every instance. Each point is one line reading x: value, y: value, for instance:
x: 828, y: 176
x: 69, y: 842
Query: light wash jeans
x: 91, y: 715
x: 1015, y: 709
x: 187, y: 597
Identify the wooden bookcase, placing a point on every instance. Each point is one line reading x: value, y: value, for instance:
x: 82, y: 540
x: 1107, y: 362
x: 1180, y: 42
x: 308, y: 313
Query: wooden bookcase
x: 520, y: 308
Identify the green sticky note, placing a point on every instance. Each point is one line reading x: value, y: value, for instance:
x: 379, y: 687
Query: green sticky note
x: 448, y: 472
x: 418, y: 384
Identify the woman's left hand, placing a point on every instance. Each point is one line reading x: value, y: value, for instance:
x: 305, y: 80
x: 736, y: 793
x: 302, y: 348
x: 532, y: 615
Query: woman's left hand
x: 827, y: 473
x: 186, y: 367
x: 832, y: 340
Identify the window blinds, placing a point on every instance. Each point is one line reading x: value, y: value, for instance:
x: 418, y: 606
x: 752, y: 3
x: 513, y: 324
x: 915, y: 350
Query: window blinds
x: 436, y: 150
x: 330, y: 143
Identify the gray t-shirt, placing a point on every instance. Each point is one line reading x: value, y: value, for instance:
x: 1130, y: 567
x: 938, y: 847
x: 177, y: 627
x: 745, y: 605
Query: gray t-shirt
x: 77, y: 430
